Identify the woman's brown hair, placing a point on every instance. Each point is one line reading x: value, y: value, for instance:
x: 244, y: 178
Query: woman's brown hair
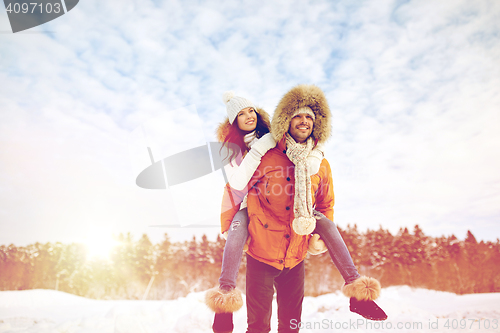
x: 235, y: 136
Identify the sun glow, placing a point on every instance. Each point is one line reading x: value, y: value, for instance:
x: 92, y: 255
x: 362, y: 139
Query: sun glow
x: 100, y: 245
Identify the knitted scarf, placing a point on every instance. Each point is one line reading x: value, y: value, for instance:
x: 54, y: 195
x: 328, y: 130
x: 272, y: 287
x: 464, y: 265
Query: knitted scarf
x: 304, y: 222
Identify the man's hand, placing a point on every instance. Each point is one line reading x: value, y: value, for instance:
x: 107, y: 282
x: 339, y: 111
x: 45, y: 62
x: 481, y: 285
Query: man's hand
x: 316, y: 245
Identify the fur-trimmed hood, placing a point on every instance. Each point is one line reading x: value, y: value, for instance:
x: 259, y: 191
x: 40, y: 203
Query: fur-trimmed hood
x: 223, y: 128
x: 298, y: 97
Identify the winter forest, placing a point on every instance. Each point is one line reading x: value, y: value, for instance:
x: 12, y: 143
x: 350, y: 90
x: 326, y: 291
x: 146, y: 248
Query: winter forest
x: 138, y: 269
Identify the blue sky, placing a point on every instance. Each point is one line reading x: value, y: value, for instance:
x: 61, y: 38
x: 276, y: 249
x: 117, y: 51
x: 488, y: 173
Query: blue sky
x: 413, y: 88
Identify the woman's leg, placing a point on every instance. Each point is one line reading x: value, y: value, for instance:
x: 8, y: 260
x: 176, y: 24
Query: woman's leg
x: 233, y: 250
x: 339, y: 253
x: 226, y: 299
x: 361, y: 290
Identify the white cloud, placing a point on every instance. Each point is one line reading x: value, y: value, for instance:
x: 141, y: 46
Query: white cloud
x: 413, y: 88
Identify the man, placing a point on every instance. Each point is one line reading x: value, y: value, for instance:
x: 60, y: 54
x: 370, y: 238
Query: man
x: 280, y: 205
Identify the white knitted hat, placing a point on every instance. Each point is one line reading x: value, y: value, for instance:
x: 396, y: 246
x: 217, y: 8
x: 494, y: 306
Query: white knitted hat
x: 235, y: 104
x: 304, y: 109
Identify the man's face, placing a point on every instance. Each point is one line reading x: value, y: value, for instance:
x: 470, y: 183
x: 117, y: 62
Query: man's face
x: 301, y: 127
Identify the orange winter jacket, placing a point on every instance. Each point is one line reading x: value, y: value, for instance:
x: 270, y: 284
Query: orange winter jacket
x: 270, y: 200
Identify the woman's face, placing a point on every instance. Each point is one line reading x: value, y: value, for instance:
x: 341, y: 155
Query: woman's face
x: 247, y: 119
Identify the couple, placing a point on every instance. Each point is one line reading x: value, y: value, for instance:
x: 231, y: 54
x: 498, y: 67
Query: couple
x: 279, y: 202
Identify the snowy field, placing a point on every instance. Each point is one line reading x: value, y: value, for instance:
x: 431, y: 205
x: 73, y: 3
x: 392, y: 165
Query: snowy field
x: 409, y: 310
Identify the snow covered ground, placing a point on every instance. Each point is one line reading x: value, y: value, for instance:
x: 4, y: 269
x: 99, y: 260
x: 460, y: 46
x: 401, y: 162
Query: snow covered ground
x: 409, y: 310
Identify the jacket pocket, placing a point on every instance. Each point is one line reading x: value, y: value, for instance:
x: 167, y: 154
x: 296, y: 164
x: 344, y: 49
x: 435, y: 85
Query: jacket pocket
x: 267, y: 239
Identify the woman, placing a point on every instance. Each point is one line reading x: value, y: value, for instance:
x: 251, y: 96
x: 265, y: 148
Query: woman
x: 248, y: 128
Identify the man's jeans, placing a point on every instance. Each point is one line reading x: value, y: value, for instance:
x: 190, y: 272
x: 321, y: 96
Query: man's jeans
x: 237, y: 236
x: 261, y: 280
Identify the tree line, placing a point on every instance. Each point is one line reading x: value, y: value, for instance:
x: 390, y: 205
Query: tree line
x: 138, y: 269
